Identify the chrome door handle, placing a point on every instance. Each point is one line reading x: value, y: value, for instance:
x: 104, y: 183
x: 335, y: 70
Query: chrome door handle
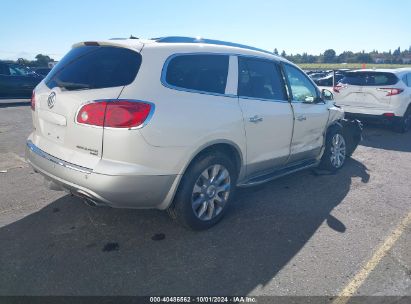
x: 255, y: 119
x: 301, y: 118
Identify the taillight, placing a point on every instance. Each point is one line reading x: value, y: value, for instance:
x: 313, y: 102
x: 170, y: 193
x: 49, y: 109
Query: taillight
x: 391, y: 91
x: 92, y: 114
x: 33, y: 101
x: 124, y: 114
x: 388, y: 114
x: 114, y: 114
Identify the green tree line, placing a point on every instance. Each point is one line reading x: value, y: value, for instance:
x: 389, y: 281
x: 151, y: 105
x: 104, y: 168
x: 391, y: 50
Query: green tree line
x: 398, y: 56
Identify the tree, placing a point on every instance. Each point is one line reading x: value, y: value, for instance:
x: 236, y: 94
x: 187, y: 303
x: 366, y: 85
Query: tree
x: 364, y: 58
x: 276, y: 51
x: 283, y: 54
x: 42, y: 60
x: 329, y: 56
x: 397, y: 52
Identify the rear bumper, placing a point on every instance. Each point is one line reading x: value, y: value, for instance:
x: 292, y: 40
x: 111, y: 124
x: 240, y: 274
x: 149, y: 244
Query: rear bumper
x: 372, y: 118
x: 119, y: 191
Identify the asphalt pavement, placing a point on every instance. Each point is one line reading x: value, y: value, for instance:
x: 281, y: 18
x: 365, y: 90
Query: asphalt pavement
x: 306, y: 234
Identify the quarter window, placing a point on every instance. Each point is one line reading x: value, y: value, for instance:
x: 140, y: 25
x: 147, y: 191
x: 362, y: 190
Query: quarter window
x: 260, y: 79
x: 409, y: 80
x: 204, y: 73
x: 302, y: 88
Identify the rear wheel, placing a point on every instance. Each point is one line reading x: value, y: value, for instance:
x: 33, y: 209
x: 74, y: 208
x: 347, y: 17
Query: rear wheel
x: 335, y: 152
x: 403, y: 125
x: 205, y: 192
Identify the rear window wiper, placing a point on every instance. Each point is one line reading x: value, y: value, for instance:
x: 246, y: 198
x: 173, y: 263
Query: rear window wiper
x: 72, y: 85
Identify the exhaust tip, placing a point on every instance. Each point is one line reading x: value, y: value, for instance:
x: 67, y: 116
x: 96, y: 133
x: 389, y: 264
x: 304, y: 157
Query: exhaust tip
x: 87, y: 199
x: 89, y: 202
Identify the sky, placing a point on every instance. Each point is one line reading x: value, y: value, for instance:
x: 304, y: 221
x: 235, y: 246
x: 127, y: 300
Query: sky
x: 51, y: 27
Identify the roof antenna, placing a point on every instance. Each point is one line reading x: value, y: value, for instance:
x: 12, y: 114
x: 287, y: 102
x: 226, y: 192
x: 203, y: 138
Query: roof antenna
x: 132, y: 37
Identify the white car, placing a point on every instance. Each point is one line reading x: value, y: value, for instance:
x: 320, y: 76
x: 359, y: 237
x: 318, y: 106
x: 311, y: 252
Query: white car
x: 382, y: 94
x: 177, y: 123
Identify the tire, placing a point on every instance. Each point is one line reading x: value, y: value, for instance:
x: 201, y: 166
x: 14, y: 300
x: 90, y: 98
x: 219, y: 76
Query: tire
x: 403, y: 125
x: 205, y: 191
x: 335, y: 153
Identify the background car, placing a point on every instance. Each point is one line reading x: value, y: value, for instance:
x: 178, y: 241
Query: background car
x: 318, y: 75
x: 379, y: 95
x: 17, y: 81
x: 327, y: 81
x: 42, y: 71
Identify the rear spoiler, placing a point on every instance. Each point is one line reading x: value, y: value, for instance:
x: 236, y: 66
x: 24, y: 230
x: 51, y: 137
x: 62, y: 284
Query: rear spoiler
x: 134, y: 44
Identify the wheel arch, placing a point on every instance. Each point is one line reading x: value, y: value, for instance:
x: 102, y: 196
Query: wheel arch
x: 226, y: 146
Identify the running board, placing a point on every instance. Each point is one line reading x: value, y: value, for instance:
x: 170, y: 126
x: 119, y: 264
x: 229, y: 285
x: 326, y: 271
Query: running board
x: 278, y: 173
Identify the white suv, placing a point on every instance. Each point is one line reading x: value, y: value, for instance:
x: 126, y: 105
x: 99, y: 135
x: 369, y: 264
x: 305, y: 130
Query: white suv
x: 177, y: 123
x: 382, y: 94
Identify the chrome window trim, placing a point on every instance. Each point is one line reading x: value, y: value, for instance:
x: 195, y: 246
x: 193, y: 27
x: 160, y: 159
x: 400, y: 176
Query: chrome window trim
x: 264, y: 99
x: 36, y: 150
x: 164, y: 82
x: 148, y: 119
x: 172, y: 87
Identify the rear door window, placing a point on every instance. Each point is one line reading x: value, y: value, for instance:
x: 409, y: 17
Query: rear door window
x: 198, y: 72
x: 260, y: 79
x: 95, y: 67
x: 369, y: 79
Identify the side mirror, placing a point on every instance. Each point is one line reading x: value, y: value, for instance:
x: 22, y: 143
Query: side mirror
x: 327, y: 95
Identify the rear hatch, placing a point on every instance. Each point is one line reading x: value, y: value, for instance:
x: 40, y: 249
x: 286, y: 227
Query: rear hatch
x: 87, y: 73
x: 365, y: 89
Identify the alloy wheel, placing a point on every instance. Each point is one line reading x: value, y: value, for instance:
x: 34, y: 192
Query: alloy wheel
x: 338, y: 150
x: 211, y: 192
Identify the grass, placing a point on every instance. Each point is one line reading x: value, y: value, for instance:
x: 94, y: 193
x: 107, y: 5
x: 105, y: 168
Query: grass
x: 335, y: 66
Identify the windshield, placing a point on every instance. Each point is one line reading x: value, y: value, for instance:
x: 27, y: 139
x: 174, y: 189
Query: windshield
x: 369, y: 78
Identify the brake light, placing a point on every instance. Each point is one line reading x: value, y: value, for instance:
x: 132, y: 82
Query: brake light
x: 115, y: 114
x: 33, y: 101
x: 391, y: 91
x: 388, y: 114
x: 92, y: 114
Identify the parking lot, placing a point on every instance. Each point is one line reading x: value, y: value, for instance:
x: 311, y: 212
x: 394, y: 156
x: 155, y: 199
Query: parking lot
x: 305, y: 234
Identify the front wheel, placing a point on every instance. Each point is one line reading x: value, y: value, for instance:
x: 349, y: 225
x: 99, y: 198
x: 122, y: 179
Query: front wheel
x: 335, y: 152
x: 205, y: 192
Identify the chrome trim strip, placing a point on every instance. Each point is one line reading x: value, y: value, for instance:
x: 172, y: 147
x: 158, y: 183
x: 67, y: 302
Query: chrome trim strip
x: 36, y: 150
x: 274, y: 176
x: 263, y: 99
x: 169, y: 86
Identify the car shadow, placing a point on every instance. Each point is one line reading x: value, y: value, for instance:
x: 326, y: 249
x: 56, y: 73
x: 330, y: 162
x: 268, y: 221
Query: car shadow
x: 68, y: 248
x: 383, y: 137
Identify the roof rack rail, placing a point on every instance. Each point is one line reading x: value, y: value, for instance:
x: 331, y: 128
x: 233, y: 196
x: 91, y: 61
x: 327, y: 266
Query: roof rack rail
x: 178, y: 39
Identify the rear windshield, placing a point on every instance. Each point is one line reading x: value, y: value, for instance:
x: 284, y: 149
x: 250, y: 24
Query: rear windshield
x: 95, y: 67
x: 369, y: 78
